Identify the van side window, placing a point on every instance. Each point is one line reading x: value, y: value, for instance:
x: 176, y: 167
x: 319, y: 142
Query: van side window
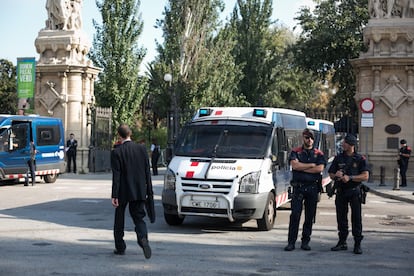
x: 20, y: 136
x: 47, y: 135
x: 4, y: 137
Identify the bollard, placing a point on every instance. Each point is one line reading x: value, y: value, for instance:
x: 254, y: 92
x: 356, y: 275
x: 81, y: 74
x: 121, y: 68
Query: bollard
x: 371, y: 169
x: 396, y: 179
x: 382, y: 176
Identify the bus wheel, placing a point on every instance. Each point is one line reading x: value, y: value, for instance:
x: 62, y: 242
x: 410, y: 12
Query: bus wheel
x: 269, y: 214
x: 50, y: 178
x: 173, y: 219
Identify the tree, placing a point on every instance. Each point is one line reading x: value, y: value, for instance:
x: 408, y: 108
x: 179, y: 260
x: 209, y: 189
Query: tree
x: 332, y: 36
x: 251, y: 20
x: 197, y: 54
x: 288, y: 85
x: 116, y: 51
x: 8, y: 87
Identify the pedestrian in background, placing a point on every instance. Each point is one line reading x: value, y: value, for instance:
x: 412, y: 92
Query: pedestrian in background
x: 131, y: 185
x: 307, y: 164
x: 155, y: 155
x: 71, y: 148
x: 404, y: 156
x: 348, y: 170
x: 31, y: 163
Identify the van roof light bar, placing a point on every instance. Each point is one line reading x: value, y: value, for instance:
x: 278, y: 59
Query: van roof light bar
x: 258, y: 112
x: 204, y: 112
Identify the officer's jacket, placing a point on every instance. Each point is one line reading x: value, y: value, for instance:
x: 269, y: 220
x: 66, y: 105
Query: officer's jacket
x: 306, y: 156
x: 350, y: 165
x: 405, y: 150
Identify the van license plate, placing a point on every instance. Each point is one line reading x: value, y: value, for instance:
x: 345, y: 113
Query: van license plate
x: 205, y: 204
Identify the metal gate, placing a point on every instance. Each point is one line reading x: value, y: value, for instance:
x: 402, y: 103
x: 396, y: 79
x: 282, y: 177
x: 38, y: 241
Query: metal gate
x: 101, y: 139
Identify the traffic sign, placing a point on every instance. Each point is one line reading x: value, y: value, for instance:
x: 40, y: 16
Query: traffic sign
x: 367, y: 105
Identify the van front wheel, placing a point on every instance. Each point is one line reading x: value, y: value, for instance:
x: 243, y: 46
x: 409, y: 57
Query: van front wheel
x: 173, y: 219
x: 268, y: 219
x: 50, y: 178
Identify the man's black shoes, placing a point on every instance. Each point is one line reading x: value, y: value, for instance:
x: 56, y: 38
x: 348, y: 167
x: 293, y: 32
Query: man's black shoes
x: 119, y: 252
x: 339, y: 246
x: 290, y: 247
x: 146, y: 248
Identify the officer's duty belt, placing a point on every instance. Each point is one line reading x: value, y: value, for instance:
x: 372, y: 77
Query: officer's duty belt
x: 302, y: 183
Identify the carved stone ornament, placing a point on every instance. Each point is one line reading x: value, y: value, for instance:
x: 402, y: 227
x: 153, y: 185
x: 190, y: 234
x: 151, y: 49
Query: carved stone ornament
x: 393, y: 95
x: 51, y: 97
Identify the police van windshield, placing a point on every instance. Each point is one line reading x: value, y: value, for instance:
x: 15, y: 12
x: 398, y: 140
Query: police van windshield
x: 223, y: 140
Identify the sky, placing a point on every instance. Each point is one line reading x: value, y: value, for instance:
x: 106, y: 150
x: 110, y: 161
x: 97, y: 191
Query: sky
x: 21, y: 20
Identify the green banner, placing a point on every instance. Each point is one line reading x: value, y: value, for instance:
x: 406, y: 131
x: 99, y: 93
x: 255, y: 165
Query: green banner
x: 26, y: 76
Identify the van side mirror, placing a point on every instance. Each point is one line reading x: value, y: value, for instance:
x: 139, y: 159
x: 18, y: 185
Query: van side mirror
x: 280, y: 159
x: 282, y: 156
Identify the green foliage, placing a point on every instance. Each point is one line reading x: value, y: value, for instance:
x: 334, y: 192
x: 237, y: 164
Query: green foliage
x: 251, y: 22
x: 216, y: 77
x: 197, y: 55
x: 8, y: 89
x: 331, y: 37
x: 116, y: 51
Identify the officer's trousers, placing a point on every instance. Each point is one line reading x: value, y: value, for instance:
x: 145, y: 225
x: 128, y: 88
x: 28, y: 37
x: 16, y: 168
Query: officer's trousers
x: 343, y: 198
x: 306, y: 195
x: 137, y: 212
x: 403, y: 173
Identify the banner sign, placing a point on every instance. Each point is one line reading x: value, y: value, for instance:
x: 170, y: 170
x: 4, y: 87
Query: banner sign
x: 26, y: 76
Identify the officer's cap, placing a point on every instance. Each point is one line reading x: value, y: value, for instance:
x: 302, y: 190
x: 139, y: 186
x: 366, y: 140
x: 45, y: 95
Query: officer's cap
x: 308, y: 132
x: 403, y: 142
x: 350, y: 139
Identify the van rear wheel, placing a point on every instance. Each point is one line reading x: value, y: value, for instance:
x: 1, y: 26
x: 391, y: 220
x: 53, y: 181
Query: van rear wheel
x: 268, y: 219
x: 173, y: 219
x: 50, y: 178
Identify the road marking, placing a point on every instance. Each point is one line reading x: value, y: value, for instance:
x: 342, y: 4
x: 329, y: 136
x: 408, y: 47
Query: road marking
x: 388, y: 216
x: 90, y: 201
x: 327, y: 214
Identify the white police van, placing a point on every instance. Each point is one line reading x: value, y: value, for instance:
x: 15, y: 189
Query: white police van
x: 325, y: 141
x: 232, y: 162
x: 16, y: 133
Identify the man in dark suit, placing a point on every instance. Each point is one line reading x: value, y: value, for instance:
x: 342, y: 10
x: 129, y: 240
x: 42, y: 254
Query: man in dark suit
x: 71, y: 148
x: 131, y: 185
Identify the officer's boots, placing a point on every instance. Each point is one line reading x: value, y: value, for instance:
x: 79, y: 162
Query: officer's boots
x: 341, y: 245
x: 357, y: 247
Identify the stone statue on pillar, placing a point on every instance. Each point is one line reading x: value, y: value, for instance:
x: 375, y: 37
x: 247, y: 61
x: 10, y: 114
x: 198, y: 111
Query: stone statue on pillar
x: 64, y: 75
x: 64, y: 14
x: 391, y: 8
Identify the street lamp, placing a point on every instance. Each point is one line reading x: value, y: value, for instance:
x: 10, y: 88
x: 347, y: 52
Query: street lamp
x: 172, y: 123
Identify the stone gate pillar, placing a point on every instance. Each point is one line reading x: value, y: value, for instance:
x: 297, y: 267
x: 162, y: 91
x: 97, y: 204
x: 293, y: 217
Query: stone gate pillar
x: 385, y: 74
x: 64, y: 76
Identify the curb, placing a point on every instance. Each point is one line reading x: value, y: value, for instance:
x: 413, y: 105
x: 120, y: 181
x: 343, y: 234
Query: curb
x: 395, y: 197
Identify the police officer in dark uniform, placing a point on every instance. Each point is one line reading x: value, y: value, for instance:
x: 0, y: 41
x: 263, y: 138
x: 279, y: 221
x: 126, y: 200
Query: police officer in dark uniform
x: 307, y: 165
x: 404, y: 156
x: 349, y: 169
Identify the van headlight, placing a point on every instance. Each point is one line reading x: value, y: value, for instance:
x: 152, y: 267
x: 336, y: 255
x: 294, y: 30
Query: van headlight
x: 169, y: 180
x: 250, y: 183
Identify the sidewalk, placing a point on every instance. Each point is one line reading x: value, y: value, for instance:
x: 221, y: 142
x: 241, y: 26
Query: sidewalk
x: 387, y: 190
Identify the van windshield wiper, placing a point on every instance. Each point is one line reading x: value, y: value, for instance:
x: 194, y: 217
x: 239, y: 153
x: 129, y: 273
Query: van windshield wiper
x: 214, y: 153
